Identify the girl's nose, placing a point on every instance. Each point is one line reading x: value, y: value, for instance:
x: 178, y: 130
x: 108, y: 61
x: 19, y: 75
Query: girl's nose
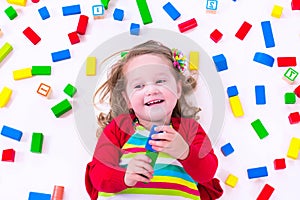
x: 151, y: 89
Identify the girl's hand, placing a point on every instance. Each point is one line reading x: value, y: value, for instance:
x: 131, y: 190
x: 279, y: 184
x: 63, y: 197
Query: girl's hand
x: 171, y: 142
x: 138, y: 169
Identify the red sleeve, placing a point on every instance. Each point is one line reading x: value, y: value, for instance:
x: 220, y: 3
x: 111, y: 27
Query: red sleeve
x: 103, y: 173
x: 201, y: 163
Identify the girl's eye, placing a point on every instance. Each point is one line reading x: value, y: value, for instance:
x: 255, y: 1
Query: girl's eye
x: 139, y: 86
x: 161, y: 81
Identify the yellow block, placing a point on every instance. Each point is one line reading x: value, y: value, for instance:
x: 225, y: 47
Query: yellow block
x: 5, y: 96
x: 194, y: 60
x: 277, y: 11
x: 236, y: 106
x: 231, y: 180
x: 5, y: 50
x: 17, y: 2
x: 22, y: 73
x: 91, y: 66
x: 294, y: 148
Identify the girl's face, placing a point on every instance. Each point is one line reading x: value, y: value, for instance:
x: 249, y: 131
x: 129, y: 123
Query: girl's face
x: 151, y: 89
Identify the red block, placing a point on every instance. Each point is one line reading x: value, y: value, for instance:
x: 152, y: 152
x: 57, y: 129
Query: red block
x: 82, y: 24
x: 31, y: 35
x: 297, y: 91
x: 279, y: 164
x: 286, y: 61
x: 73, y: 37
x: 216, y: 35
x: 8, y: 155
x: 35, y: 1
x: 294, y: 118
x: 187, y: 25
x: 295, y: 4
x: 266, y: 192
x: 243, y: 31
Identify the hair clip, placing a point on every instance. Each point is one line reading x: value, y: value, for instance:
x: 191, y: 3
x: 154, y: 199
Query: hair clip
x: 179, y: 60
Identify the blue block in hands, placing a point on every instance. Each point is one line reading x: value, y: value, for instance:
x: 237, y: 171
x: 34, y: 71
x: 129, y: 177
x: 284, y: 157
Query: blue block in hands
x: 152, y: 132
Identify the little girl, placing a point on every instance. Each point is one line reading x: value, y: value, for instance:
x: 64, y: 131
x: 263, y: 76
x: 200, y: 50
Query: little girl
x: 148, y: 87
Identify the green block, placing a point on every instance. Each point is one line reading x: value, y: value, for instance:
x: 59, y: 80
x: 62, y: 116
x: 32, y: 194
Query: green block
x: 153, y: 156
x: 105, y: 3
x: 41, y: 70
x: 5, y: 50
x: 37, y: 142
x: 61, y: 108
x: 290, y: 98
x: 11, y: 12
x: 144, y: 11
x: 70, y: 90
x: 259, y: 129
x: 291, y: 74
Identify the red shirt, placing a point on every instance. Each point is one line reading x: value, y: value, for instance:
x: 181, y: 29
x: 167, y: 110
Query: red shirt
x: 104, y: 174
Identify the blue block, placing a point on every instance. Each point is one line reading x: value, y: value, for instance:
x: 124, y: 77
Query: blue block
x: 171, y: 10
x: 264, y: 59
x: 227, y: 149
x: 220, y: 62
x: 71, y: 10
x: 232, y: 91
x: 134, y: 29
x: 268, y: 35
x: 118, y: 14
x: 260, y: 95
x: 152, y: 132
x: 39, y: 196
x: 44, y: 13
x: 257, y: 172
x: 61, y: 55
x: 98, y: 10
x: 11, y: 133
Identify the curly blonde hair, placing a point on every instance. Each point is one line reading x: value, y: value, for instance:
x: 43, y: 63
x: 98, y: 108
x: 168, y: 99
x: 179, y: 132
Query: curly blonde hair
x: 113, y: 87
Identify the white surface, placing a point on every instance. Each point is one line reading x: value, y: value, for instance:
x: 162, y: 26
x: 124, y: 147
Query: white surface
x: 64, y: 159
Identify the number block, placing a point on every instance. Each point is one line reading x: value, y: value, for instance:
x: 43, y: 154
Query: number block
x: 231, y: 180
x: 290, y: 75
x: 44, y: 90
x: 211, y: 6
x: 98, y: 11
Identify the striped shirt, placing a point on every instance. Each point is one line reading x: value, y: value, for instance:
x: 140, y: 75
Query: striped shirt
x: 169, y: 178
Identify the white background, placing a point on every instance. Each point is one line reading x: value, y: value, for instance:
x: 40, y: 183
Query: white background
x: 64, y: 158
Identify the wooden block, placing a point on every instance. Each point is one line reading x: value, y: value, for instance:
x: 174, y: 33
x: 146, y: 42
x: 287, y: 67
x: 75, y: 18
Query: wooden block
x: 22, y: 73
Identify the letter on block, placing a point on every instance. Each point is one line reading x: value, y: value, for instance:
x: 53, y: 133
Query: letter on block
x: 44, y: 90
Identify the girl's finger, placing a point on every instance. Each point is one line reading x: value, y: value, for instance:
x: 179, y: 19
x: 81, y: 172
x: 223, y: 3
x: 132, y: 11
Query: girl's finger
x: 143, y: 158
x: 161, y: 143
x: 165, y: 128
x: 138, y: 177
x: 163, y: 136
